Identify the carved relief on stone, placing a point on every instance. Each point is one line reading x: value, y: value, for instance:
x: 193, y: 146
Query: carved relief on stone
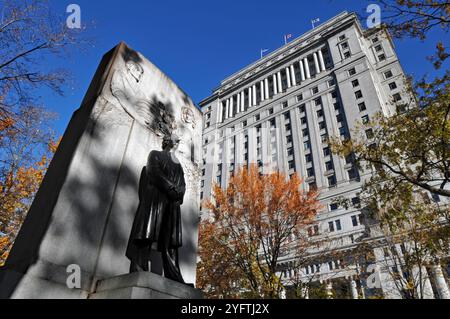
x: 128, y: 88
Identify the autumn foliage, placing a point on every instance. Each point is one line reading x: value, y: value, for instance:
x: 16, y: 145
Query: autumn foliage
x: 253, y: 222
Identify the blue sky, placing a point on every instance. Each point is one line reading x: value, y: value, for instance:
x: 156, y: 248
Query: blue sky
x: 198, y: 43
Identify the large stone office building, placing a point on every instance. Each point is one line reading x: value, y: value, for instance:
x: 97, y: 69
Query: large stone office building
x: 279, y: 112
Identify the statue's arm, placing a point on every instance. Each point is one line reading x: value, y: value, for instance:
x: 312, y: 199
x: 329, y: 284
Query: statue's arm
x: 157, y: 177
x: 181, y: 189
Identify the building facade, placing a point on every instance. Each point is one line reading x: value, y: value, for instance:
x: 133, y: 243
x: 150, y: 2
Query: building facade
x: 279, y: 112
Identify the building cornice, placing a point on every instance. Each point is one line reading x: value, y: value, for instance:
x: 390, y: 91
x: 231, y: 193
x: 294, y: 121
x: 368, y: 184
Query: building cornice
x: 302, y: 43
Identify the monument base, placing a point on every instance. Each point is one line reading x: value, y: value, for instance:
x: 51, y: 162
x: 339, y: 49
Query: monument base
x: 143, y: 285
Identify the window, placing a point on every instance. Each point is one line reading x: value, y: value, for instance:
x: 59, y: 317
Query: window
x: 331, y: 83
x: 347, y: 55
x: 331, y: 227
x: 304, y: 120
x: 203, y: 172
x: 355, y: 221
x: 381, y: 57
x: 322, y: 125
x: 307, y: 146
x: 375, y: 40
x: 392, y: 86
x: 312, y: 186
x: 337, y: 106
x: 326, y: 151
x: 365, y: 119
x: 285, y: 104
x: 334, y: 94
x: 334, y: 207
x: 344, y: 45
x: 379, y: 48
x: 353, y: 174
x: 388, y: 74
x: 291, y: 164
x: 352, y: 71
x: 244, y: 124
x: 290, y: 151
x: 338, y: 225
x: 339, y: 118
x: 202, y: 184
x: 324, y: 138
x: 287, y: 127
x: 397, y: 97
x: 257, y: 117
x: 343, y: 131
x: 315, y: 90
x: 358, y: 94
x: 299, y: 97
x: 302, y: 108
x: 219, y: 179
x: 310, y: 172
x: 436, y: 198
x: 342, y: 37
x: 305, y: 132
x: 369, y: 134
x: 287, y: 116
x: 289, y: 139
x: 319, y: 113
x: 330, y: 265
x: 309, y: 158
x: 318, y: 101
x: 329, y: 165
x: 362, y: 107
x: 273, y: 123
x: 355, y: 83
x: 271, y: 111
x: 356, y: 201
x: 332, y: 181
x: 207, y: 124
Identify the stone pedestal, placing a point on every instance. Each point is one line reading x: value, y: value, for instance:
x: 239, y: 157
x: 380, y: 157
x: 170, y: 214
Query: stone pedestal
x: 143, y: 285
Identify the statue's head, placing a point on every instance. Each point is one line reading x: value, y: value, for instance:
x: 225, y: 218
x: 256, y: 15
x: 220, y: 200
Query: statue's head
x: 135, y: 69
x: 170, y: 142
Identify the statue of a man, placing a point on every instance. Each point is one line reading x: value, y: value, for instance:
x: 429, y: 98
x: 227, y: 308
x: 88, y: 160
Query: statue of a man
x: 158, y: 219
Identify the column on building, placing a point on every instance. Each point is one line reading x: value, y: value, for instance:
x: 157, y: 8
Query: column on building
x: 266, y: 88
x: 293, y: 78
x: 322, y: 61
x: 275, y: 86
x: 302, y: 71
x: 316, y: 63
x: 280, y: 84
x: 227, y: 109
x: 243, y: 101
x: 220, y: 112
x: 307, y: 71
x: 261, y: 86
x: 353, y: 289
x: 441, y: 283
x: 231, y: 107
x: 288, y: 78
x: 250, y: 97
x: 254, y: 95
x: 238, y: 101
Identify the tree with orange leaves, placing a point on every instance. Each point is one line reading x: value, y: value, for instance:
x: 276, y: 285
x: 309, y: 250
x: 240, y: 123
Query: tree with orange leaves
x: 254, y: 222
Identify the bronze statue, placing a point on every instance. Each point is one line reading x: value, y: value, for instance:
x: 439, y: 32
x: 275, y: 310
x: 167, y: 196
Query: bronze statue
x: 158, y: 219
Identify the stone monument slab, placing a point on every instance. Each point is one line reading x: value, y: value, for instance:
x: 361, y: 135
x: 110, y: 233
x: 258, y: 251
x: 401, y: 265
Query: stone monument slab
x: 83, y: 212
